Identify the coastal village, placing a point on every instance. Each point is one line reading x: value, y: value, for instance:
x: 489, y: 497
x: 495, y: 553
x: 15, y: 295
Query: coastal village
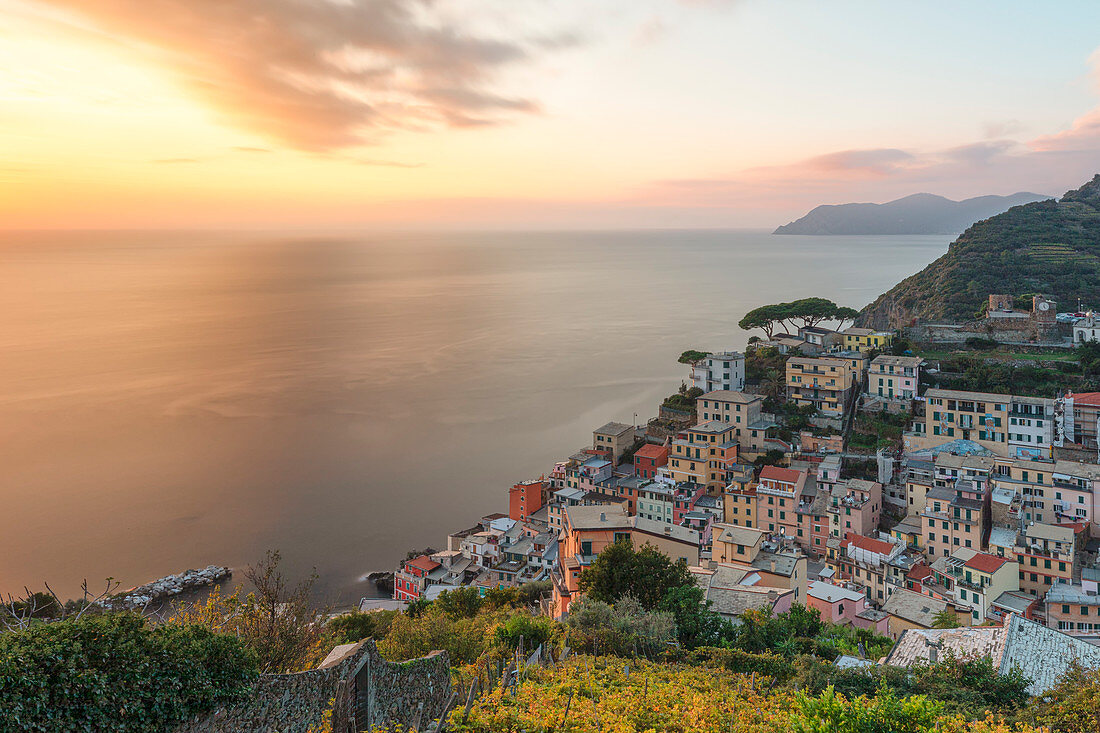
x: 981, y: 512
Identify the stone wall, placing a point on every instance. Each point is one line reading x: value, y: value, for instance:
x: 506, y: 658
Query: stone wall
x: 363, y: 691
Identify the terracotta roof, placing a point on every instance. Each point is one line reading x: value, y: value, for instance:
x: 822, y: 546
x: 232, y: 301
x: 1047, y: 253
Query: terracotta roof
x: 985, y: 563
x: 1091, y: 399
x: 869, y: 543
x: 424, y: 563
x: 786, y: 475
x: 649, y: 450
x: 919, y: 572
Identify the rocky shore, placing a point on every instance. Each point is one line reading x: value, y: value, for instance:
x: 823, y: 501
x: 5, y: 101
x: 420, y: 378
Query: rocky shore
x: 168, y: 586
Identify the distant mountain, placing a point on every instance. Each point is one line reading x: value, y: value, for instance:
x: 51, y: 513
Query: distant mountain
x: 1049, y: 247
x: 921, y: 213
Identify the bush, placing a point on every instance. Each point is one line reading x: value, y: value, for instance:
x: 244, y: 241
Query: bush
x: 353, y: 627
x: 464, y: 639
x: 534, y: 630
x: 117, y: 673
x: 624, y: 629
x: 979, y: 344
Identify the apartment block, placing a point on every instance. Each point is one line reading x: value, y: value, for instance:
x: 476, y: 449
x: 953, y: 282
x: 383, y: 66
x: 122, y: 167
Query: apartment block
x: 894, y: 377
x: 824, y: 382
x: 724, y: 370
x: 702, y: 455
x: 1008, y: 425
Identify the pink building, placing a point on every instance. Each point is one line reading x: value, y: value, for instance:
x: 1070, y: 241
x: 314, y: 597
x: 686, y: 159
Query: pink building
x: 837, y: 604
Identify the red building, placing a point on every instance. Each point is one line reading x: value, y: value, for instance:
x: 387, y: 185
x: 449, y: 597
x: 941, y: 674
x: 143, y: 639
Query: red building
x: 410, y: 581
x: 648, y: 459
x: 525, y: 498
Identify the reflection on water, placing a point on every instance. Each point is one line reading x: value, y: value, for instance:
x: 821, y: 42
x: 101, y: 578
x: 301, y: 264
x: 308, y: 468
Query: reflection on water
x: 172, y: 400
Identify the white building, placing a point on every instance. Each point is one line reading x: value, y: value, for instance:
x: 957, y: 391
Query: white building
x: 1030, y: 426
x: 1086, y: 329
x: 719, y: 371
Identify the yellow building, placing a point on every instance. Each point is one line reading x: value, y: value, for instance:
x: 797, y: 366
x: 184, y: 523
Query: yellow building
x: 732, y: 543
x: 703, y: 454
x: 1008, y: 425
x: 824, y: 382
x: 866, y: 339
x: 739, y: 501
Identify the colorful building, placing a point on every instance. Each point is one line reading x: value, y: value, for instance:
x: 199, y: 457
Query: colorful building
x: 826, y: 383
x: 866, y: 339
x: 702, y: 455
x: 648, y: 459
x: 894, y: 377
x: 526, y: 498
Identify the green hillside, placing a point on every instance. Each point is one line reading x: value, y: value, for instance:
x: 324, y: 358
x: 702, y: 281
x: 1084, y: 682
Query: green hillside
x: 1049, y: 247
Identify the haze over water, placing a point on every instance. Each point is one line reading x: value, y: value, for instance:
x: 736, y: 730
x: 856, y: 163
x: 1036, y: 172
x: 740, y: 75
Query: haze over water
x: 172, y: 400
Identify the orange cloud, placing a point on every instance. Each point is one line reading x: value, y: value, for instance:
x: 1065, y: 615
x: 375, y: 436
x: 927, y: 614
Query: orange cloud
x: 321, y: 74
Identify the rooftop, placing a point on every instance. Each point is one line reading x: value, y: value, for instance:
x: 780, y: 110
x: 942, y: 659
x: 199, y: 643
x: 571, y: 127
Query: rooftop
x: 729, y: 395
x: 614, y: 428
x: 737, y: 535
x: 1089, y: 399
x: 608, y: 516
x: 1042, y: 654
x: 901, y: 361
x: 832, y: 593
x: 1051, y: 532
x: 985, y: 563
x: 784, y: 475
x: 870, y: 544
x: 738, y: 599
x: 649, y: 450
x: 711, y: 426
x: 954, y: 394
x: 914, y: 607
x: 1014, y: 601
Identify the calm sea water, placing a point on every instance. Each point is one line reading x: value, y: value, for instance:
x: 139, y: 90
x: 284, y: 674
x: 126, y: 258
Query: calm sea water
x: 171, y: 400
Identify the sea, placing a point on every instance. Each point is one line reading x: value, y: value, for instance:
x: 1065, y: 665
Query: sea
x: 170, y: 400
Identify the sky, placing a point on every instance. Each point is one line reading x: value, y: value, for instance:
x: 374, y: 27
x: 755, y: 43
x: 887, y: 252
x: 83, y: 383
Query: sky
x: 531, y: 113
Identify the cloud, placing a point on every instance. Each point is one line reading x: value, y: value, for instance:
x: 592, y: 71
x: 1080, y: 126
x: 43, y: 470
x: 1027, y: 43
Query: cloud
x: 650, y: 31
x: 175, y: 161
x: 876, y: 162
x: 250, y: 149
x: 323, y: 74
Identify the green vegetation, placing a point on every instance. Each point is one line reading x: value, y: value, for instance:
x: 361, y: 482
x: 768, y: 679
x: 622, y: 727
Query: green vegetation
x: 764, y: 363
x: 713, y: 693
x: 804, y: 312
x: 977, y: 374
x: 116, y: 672
x: 1049, y: 247
x: 684, y: 399
x: 874, y: 430
x: 691, y: 356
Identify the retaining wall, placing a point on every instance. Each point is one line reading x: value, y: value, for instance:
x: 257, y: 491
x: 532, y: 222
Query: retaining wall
x: 363, y: 691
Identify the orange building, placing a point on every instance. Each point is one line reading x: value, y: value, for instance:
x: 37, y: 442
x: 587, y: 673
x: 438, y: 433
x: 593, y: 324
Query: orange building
x: 648, y: 459
x: 526, y: 498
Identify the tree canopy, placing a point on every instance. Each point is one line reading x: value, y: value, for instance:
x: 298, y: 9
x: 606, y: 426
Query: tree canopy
x: 805, y: 312
x: 646, y: 574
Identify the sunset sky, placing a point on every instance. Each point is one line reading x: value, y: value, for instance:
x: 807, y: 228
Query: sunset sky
x: 540, y: 113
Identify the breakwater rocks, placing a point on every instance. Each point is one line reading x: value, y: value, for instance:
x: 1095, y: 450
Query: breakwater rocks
x: 168, y: 586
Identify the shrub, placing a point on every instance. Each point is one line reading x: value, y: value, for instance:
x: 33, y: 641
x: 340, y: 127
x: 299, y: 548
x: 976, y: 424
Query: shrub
x: 116, y: 673
x: 353, y: 627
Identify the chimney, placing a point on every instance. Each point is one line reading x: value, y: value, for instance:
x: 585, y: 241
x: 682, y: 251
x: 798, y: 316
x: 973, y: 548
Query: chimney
x: 773, y: 565
x: 668, y: 529
x: 603, y: 517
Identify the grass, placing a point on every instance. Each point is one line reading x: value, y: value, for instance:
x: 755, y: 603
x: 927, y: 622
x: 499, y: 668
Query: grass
x: 999, y: 354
